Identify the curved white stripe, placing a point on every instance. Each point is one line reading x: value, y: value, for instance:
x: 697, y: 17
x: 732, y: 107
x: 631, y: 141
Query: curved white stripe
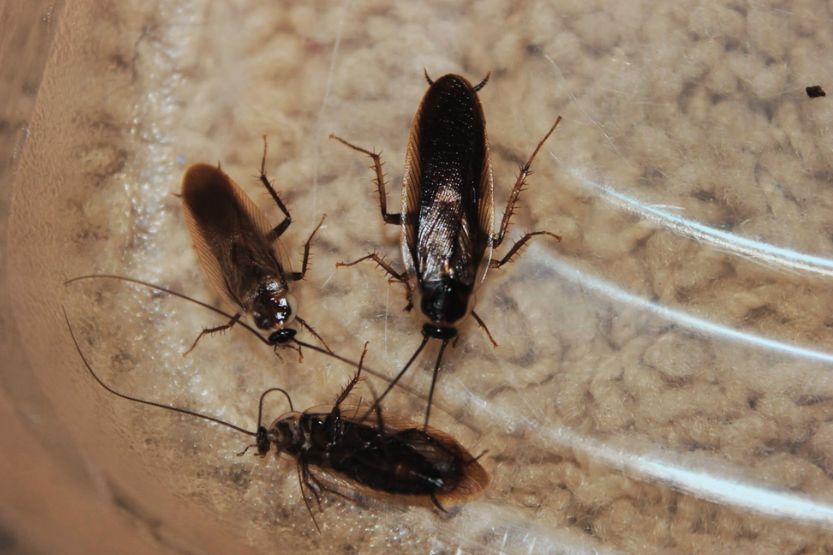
x: 757, y: 251
x: 681, y: 318
x: 699, y: 483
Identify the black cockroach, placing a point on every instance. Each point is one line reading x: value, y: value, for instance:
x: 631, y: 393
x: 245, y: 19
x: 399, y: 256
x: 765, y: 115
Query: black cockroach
x: 383, y: 457
x: 447, y: 212
x: 240, y: 252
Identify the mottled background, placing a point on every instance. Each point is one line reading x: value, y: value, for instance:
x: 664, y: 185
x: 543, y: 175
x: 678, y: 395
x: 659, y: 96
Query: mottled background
x: 664, y: 380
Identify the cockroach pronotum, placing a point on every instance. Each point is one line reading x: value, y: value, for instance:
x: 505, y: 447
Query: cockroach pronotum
x: 447, y: 212
x: 378, y: 457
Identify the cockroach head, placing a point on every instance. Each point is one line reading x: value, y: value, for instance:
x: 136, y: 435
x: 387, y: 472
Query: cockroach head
x: 445, y: 302
x: 262, y: 440
x: 282, y: 337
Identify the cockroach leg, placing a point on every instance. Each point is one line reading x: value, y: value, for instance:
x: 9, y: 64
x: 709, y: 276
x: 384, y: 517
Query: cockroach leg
x: 312, y: 485
x: 396, y: 379
x: 518, y: 187
x: 296, y: 276
x: 483, y: 325
x: 434, y: 382
x: 313, y: 332
x: 437, y: 504
x: 321, y: 486
x: 246, y: 450
x: 302, y: 467
x: 284, y: 345
x: 394, y: 275
x: 352, y: 383
x: 209, y: 331
x: 519, y: 245
x: 380, y: 422
x: 389, y: 218
x: 278, y: 230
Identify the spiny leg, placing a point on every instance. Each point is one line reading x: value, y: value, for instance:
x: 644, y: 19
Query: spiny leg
x: 380, y: 181
x: 313, y: 332
x: 394, y: 275
x: 209, y: 331
x: 278, y: 230
x: 486, y: 329
x: 352, y: 383
x: 295, y: 276
x: 518, y: 187
x: 434, y: 382
x: 396, y: 379
x: 519, y: 245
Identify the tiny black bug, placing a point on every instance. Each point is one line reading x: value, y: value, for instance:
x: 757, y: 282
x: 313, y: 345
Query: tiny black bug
x: 447, y: 212
x: 240, y: 252
x: 815, y: 91
x: 383, y: 457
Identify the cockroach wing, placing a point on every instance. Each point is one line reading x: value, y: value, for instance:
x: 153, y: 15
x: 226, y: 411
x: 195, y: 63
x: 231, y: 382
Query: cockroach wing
x: 441, y: 448
x: 438, y: 447
x: 223, y: 220
x: 447, y: 190
x: 411, y: 190
x: 486, y: 207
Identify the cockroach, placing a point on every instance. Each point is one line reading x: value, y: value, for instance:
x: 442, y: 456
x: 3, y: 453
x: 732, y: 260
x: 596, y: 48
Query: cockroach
x: 815, y: 91
x: 381, y: 457
x: 240, y: 252
x: 447, y: 210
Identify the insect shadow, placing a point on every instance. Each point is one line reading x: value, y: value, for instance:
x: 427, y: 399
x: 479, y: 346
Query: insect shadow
x: 447, y: 213
x: 381, y: 456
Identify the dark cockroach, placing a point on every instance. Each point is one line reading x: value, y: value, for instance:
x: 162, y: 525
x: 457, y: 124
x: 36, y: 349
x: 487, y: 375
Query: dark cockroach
x: 381, y: 457
x: 815, y: 91
x: 447, y: 212
x: 240, y: 252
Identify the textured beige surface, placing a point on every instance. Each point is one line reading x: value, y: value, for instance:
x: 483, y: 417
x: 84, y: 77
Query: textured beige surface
x: 663, y: 381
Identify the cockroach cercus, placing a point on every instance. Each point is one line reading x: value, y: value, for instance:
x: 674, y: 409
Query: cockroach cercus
x: 240, y: 252
x: 379, y: 456
x: 447, y: 212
